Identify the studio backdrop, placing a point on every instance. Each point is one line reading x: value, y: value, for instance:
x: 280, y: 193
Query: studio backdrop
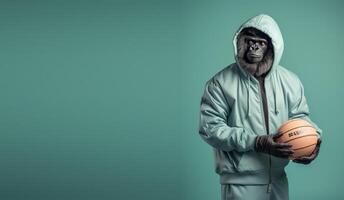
x: 100, y: 99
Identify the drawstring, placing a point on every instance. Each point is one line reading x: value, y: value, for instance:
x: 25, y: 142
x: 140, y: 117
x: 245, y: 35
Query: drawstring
x: 248, y: 97
x: 274, y: 88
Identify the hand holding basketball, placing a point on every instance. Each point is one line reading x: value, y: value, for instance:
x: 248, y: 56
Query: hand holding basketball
x: 302, y: 136
x: 267, y: 144
x: 308, y: 159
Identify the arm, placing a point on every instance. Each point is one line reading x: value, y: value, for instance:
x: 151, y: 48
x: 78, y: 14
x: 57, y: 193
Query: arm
x: 214, y: 130
x: 299, y: 109
x: 213, y: 126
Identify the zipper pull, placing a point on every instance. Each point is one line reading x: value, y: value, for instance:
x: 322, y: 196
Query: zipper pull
x: 269, y: 188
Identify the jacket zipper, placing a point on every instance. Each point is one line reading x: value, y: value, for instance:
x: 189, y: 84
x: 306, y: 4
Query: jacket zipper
x: 264, y: 120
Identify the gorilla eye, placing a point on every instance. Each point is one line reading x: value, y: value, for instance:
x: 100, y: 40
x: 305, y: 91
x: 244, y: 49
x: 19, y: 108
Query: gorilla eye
x: 263, y: 43
x: 250, y: 42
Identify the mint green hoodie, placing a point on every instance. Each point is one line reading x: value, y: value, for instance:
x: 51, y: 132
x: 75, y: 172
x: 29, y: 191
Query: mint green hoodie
x: 231, y: 113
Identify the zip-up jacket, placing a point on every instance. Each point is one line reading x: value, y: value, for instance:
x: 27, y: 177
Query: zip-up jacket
x: 232, y: 113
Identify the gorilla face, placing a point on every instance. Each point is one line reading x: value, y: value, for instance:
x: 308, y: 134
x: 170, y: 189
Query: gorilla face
x: 256, y: 48
x: 255, y: 52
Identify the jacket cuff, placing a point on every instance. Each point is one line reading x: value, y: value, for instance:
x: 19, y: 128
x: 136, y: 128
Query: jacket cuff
x: 251, y: 141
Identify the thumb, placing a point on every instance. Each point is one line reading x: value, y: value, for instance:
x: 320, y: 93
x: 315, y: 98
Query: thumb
x: 277, y: 135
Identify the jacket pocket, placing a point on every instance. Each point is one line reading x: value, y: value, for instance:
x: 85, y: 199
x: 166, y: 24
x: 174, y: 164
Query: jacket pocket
x: 227, y: 161
x: 235, y: 158
x: 253, y: 161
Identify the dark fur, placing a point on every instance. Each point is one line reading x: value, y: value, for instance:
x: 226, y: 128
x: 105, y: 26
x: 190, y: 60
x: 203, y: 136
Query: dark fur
x: 256, y: 69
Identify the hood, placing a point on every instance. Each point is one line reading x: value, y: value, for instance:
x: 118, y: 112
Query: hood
x: 267, y: 25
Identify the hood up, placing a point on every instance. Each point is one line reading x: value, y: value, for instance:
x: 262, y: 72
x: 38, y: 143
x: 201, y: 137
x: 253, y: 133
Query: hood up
x: 267, y: 25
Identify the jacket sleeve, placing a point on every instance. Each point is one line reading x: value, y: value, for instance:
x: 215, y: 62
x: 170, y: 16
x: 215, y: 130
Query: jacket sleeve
x: 213, y: 126
x: 299, y: 108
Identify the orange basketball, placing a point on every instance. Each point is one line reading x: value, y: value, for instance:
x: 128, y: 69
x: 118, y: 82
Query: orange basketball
x: 300, y: 134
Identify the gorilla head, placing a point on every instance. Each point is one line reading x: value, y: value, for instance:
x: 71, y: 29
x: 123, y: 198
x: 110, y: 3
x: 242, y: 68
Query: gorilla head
x: 255, y: 52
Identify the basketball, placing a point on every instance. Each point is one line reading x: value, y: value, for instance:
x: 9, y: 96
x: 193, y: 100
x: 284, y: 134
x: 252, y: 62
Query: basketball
x: 300, y: 134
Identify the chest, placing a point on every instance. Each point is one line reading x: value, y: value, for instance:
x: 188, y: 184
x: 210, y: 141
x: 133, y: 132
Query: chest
x: 260, y: 105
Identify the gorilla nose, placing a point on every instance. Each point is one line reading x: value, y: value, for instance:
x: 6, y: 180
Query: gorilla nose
x: 254, y: 47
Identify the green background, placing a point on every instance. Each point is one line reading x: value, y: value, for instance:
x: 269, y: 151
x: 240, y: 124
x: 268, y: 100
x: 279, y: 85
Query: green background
x: 100, y: 99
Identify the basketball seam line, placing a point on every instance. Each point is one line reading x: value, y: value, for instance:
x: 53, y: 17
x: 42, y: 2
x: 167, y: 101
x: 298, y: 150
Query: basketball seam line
x: 300, y: 137
x: 292, y: 129
x: 304, y: 147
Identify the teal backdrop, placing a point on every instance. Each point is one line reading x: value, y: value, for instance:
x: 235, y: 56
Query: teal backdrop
x: 100, y: 99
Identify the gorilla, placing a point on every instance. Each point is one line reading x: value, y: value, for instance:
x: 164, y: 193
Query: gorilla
x: 255, y: 51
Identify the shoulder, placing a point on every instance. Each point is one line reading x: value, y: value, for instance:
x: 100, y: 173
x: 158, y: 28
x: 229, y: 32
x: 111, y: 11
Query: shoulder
x: 288, y: 77
x: 229, y: 73
x: 287, y: 74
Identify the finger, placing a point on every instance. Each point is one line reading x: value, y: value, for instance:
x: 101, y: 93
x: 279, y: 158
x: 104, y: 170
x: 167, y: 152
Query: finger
x: 286, y: 151
x: 302, y: 159
x: 316, y: 150
x: 313, y: 154
x: 305, y: 162
x: 282, y: 145
x: 277, y: 135
x: 297, y: 161
x: 284, y: 154
x: 305, y: 159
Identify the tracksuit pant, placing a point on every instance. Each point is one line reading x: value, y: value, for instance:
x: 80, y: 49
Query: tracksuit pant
x: 278, y: 191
